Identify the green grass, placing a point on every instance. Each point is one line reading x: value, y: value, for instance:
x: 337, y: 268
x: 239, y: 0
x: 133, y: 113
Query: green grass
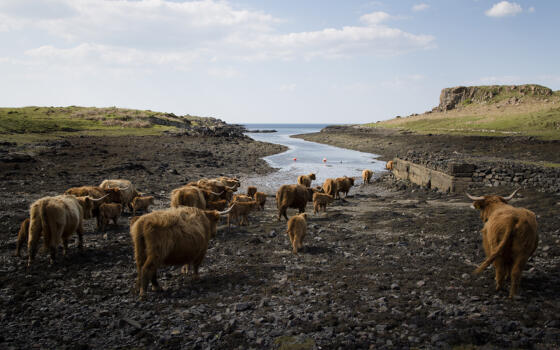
x: 542, y: 124
x: 31, y: 124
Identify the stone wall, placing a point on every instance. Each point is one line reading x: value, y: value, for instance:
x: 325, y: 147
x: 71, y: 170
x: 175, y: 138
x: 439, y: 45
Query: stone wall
x: 452, y: 174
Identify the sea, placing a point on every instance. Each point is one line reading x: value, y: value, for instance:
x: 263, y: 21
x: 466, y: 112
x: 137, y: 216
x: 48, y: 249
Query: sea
x: 304, y: 157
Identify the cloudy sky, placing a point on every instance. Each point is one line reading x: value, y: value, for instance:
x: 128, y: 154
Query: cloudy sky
x: 275, y: 61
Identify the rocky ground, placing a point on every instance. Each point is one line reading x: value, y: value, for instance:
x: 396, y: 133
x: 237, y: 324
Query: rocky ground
x: 388, y: 267
x: 390, y: 143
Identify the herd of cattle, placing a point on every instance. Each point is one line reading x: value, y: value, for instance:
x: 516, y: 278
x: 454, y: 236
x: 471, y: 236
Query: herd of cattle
x: 180, y: 235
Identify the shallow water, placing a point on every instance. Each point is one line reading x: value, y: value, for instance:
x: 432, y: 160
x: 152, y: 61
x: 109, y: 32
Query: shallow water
x: 309, y: 158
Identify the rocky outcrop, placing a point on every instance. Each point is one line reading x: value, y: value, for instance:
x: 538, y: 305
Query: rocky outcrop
x: 451, y: 98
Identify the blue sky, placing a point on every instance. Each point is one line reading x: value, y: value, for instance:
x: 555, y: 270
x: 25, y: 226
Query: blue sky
x: 314, y: 61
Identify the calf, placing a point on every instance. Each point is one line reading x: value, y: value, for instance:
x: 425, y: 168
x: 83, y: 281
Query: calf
x: 509, y: 237
x: 239, y: 211
x: 251, y: 190
x: 109, y: 211
x: 320, y: 201
x: 366, y: 175
x: 216, y: 205
x: 260, y: 197
x: 305, y: 180
x: 297, y: 228
x: 141, y: 203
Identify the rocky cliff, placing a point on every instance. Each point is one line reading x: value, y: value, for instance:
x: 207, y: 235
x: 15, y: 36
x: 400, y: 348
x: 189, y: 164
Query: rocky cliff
x: 454, y: 97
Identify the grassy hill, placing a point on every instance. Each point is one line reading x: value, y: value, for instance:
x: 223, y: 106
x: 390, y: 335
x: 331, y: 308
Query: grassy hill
x: 529, y: 110
x: 29, y: 124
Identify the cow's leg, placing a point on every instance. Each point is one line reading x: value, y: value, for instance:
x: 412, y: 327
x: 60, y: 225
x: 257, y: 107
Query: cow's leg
x: 32, y: 245
x: 80, y: 231
x: 516, y: 271
x: 283, y: 211
x: 148, y: 274
x: 155, y: 285
x: 501, y: 273
x: 64, y: 246
x: 115, y: 220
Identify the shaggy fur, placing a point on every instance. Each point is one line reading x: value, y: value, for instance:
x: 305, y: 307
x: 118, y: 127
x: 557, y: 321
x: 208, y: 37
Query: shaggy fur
x: 366, y: 175
x: 109, y: 211
x: 188, y: 196
x: 55, y: 219
x: 320, y: 201
x: 176, y: 236
x: 242, y: 198
x: 216, y: 205
x: 329, y: 187
x: 260, y: 197
x: 251, y: 190
x: 22, y: 236
x: 297, y: 228
x: 389, y: 165
x: 240, y: 212
x: 509, y: 237
x: 292, y: 196
x: 128, y: 191
x: 141, y: 203
x: 306, y: 180
x: 343, y: 184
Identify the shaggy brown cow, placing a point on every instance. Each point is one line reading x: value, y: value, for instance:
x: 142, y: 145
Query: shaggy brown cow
x: 109, y: 211
x: 389, y: 165
x: 260, y: 197
x: 343, y: 184
x: 251, y: 190
x: 230, y: 182
x: 109, y: 195
x: 188, y: 196
x: 242, y: 198
x: 320, y: 201
x: 329, y: 187
x: 297, y: 228
x: 176, y: 236
x: 216, y: 205
x: 95, y: 192
x: 292, y: 196
x: 141, y: 203
x: 306, y: 180
x: 366, y: 175
x: 133, y: 219
x: 240, y: 213
x: 509, y: 237
x: 128, y: 191
x: 55, y: 219
x: 22, y: 236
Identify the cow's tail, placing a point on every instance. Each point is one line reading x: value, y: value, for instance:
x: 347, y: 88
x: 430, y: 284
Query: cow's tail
x: 505, y: 240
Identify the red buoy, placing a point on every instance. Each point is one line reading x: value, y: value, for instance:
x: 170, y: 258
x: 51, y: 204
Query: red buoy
x: 295, y: 159
x: 324, y: 160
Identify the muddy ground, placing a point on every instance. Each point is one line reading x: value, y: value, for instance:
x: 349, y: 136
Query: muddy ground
x: 388, y: 267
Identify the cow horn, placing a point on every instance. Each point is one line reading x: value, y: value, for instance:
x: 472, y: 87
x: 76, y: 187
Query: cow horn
x: 217, y: 194
x: 124, y: 189
x: 473, y: 197
x: 508, y: 198
x: 225, y: 212
x: 230, y: 188
x: 99, y: 199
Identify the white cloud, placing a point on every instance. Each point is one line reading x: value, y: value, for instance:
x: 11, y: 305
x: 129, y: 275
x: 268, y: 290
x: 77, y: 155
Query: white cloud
x: 420, y: 7
x: 178, y: 34
x: 375, y: 17
x: 288, y: 87
x: 224, y: 73
x: 504, y: 8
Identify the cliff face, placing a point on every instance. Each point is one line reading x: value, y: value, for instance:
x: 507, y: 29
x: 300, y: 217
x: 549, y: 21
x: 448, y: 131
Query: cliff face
x: 451, y: 98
